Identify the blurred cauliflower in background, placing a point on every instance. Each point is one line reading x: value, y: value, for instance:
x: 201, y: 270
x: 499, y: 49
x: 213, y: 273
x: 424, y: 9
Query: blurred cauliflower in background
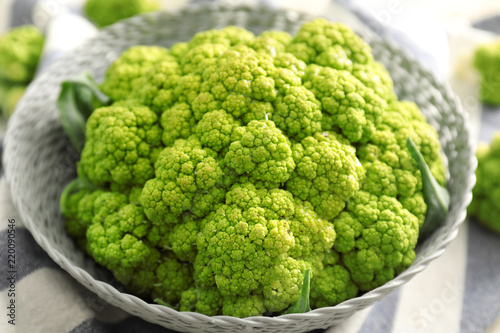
x: 485, y: 205
x: 487, y: 62
x: 106, y: 12
x: 20, y: 52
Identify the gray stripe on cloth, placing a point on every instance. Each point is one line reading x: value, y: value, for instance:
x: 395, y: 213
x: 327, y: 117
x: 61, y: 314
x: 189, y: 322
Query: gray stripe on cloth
x: 21, y: 12
x: 491, y: 24
x: 481, y: 304
x: 129, y: 325
x: 29, y: 256
x: 381, y: 316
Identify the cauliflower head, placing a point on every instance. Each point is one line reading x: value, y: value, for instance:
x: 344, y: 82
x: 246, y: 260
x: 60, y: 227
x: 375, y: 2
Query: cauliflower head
x: 485, y: 204
x: 107, y: 12
x: 122, y: 143
x: 233, y: 165
x: 487, y: 62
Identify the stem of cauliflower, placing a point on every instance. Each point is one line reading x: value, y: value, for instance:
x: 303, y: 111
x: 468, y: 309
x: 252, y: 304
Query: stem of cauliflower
x: 436, y: 196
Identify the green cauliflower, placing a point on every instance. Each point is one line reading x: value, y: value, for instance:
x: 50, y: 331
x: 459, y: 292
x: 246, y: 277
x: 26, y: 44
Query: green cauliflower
x: 174, y: 277
x: 237, y: 82
x: 271, y: 42
x: 183, y: 237
x: 187, y: 178
x: 157, y: 88
x: 261, y: 151
x: 376, y: 77
x: 376, y: 238
x: 349, y: 106
x: 116, y: 233
x: 200, y: 56
x: 233, y: 171
x: 378, y: 230
x: 122, y: 143
x: 177, y: 123
x: 107, y: 12
x: 123, y: 74
x: 333, y: 284
x: 215, y: 129
x: 390, y: 170
x: 76, y: 205
x: 228, y: 36
x: 485, y: 203
x: 487, y: 62
x: 328, y: 173
x: 297, y: 113
x: 20, y: 51
x: 260, y: 266
x: 319, y: 40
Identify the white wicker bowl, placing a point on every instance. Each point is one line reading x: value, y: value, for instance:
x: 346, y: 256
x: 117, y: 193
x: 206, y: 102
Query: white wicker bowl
x: 39, y: 161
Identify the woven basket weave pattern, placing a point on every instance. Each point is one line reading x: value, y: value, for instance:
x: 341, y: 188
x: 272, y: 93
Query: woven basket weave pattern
x: 39, y: 161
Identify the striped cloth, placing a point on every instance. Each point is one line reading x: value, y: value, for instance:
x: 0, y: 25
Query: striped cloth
x: 459, y: 292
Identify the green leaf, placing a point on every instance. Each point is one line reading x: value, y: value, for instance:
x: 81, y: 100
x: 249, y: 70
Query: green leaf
x: 436, y: 196
x: 162, y: 302
x: 302, y: 304
x: 75, y: 103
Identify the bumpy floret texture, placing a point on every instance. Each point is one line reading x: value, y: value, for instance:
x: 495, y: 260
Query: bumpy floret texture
x: 485, y: 205
x: 261, y: 151
x: 487, y: 62
x: 233, y: 163
x: 256, y: 246
x: 177, y: 123
x: 122, y: 143
x: 328, y: 173
x: 187, y: 178
x: 157, y: 89
x: 106, y: 12
x: 349, y: 105
x: 122, y: 75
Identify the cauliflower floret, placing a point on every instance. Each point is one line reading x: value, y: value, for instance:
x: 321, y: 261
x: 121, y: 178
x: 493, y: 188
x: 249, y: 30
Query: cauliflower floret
x: 328, y: 173
x: 157, y: 88
x: 20, y: 51
x: 297, y: 113
x: 262, y: 151
x: 215, y: 129
x: 177, y: 123
x: 123, y: 74
x: 187, y: 178
x: 321, y: 36
x: 122, y: 143
x: 347, y: 104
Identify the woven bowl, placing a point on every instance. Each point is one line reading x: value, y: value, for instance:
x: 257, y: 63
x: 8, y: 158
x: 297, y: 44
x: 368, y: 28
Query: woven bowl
x: 39, y: 161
